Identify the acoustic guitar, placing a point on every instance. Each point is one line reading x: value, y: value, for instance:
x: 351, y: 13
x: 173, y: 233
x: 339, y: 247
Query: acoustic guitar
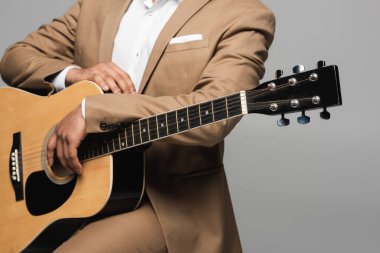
x: 43, y: 206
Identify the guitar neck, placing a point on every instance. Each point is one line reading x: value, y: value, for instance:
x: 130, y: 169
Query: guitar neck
x: 317, y: 88
x: 147, y: 130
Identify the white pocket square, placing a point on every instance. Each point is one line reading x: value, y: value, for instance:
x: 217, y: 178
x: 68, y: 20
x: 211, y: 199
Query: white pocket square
x: 186, y: 38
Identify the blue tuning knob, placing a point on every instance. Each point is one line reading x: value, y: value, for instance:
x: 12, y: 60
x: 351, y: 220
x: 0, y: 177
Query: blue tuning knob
x: 303, y: 119
x: 283, y: 121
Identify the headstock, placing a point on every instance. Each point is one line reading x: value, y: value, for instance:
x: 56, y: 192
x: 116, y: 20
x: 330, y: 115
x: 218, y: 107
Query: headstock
x: 302, y: 91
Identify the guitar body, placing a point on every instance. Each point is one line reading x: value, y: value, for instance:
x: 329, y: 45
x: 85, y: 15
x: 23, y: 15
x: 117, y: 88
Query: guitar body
x: 35, y: 212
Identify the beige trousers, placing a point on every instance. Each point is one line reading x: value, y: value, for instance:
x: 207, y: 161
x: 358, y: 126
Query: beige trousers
x: 134, y: 232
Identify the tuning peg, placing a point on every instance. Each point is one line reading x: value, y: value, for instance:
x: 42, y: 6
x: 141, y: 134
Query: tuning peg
x: 321, y: 64
x: 298, y: 69
x: 325, y: 114
x: 303, y: 119
x: 279, y: 73
x: 283, y: 121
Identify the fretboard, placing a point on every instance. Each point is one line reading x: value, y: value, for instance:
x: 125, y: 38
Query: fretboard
x: 160, y: 126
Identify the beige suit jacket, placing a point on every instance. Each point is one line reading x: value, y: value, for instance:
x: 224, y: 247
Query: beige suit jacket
x: 185, y: 176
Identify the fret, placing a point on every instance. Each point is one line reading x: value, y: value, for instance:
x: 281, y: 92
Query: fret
x: 194, y: 117
x: 90, y: 152
x: 206, y: 113
x: 108, y: 147
x: 183, y: 121
x: 97, y: 153
x: 81, y: 155
x: 188, y: 118
x: 111, y: 146
x: 162, y: 128
x: 227, y: 108
x: 234, y: 105
x: 144, y: 130
x: 133, y: 134
x: 93, y: 150
x: 101, y: 146
x: 176, y: 118
x: 171, y: 119
x: 87, y: 153
x: 140, y: 130
x: 129, y: 134
x: 136, y: 133
x: 153, y: 130
x: 220, y: 109
x: 212, y: 110
x: 123, y: 140
x: 118, y: 135
x: 114, y: 137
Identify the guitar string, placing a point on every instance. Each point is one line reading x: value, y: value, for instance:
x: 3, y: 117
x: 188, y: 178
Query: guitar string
x: 233, y: 106
x: 122, y: 136
x: 233, y: 102
x: 30, y: 156
x: 117, y: 140
x: 252, y: 106
x: 251, y: 94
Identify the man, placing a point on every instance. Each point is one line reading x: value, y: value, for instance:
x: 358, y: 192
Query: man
x: 192, y: 51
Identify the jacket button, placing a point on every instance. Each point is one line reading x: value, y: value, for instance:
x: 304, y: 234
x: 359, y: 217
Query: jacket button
x: 103, y: 126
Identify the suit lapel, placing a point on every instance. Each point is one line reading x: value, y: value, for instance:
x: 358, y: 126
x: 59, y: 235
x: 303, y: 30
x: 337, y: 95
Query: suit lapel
x: 183, y: 13
x: 110, y: 28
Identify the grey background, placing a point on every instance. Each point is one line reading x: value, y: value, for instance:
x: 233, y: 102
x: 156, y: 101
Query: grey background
x: 299, y: 189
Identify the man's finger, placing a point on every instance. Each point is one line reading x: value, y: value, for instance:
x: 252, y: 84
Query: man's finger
x: 112, y: 84
x: 98, y: 79
x: 52, y: 144
x: 72, y: 158
x: 124, y: 79
x: 60, y: 154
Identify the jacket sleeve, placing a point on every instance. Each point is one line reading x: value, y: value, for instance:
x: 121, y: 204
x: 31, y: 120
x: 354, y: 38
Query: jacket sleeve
x: 238, y: 64
x: 41, y: 54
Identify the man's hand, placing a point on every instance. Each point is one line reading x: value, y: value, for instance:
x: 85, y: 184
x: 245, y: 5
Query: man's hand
x: 66, y: 139
x: 108, y: 76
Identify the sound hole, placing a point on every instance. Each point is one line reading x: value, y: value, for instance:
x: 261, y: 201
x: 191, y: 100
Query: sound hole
x: 43, y: 196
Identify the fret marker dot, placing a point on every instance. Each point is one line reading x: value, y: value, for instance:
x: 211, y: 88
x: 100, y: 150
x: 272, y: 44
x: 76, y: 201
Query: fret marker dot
x: 162, y: 125
x: 123, y: 144
x: 206, y: 112
x: 144, y: 130
x: 182, y: 120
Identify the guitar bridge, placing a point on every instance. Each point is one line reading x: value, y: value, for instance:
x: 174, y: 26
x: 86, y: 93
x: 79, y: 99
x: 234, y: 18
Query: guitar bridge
x: 15, y: 167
